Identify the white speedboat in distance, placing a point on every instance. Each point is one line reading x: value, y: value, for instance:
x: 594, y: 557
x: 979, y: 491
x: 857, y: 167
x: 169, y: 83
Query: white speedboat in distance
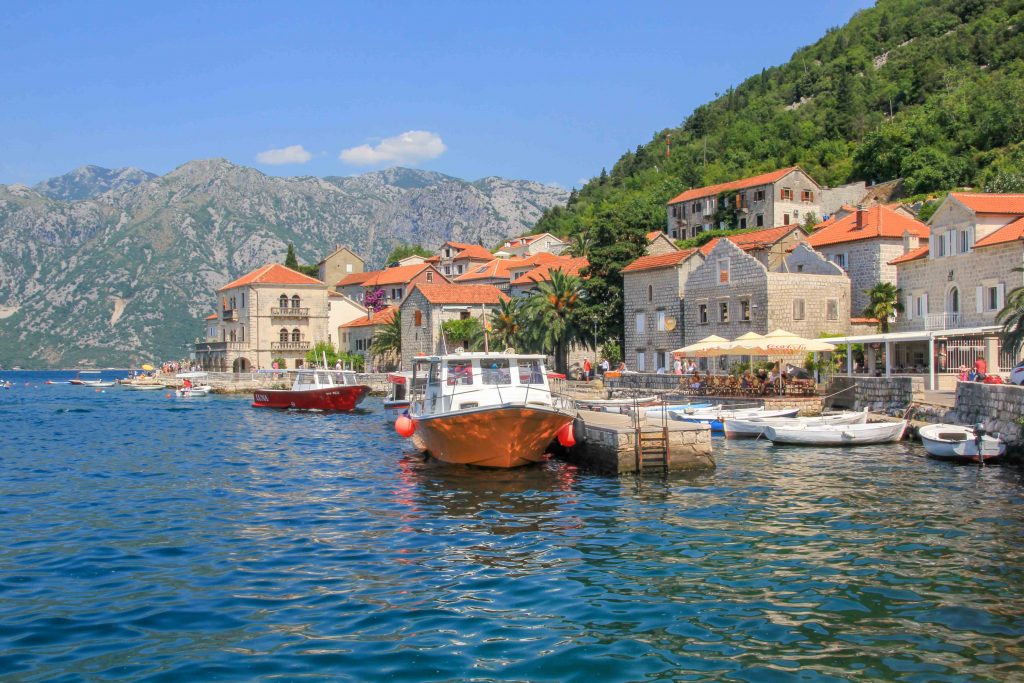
x: 486, y: 409
x: 956, y: 443
x: 193, y: 385
x: 753, y: 427
x: 837, y: 435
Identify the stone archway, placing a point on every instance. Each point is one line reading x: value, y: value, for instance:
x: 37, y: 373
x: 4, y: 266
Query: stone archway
x: 241, y: 365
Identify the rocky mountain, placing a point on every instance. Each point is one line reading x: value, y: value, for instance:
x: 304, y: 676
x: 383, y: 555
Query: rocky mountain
x: 126, y: 275
x: 87, y: 182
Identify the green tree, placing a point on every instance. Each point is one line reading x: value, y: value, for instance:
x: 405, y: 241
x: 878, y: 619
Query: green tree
x: 290, y: 261
x: 315, y: 356
x: 506, y: 321
x: 554, y: 314
x: 387, y: 340
x: 466, y: 332
x: 884, y: 302
x: 401, y: 251
x: 1011, y: 317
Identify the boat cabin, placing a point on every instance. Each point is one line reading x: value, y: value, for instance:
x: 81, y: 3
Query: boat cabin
x: 466, y: 381
x: 315, y: 378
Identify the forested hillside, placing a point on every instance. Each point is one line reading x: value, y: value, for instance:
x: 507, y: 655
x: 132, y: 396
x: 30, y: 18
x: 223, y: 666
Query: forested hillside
x: 924, y: 90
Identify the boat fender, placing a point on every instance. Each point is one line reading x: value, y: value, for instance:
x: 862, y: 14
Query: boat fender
x: 565, y: 436
x: 405, y: 426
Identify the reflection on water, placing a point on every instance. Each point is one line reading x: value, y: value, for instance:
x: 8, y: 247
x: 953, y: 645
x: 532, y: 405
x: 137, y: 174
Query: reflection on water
x: 152, y: 538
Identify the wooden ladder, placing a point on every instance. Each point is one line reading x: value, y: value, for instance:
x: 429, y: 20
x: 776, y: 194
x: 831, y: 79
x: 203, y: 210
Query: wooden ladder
x: 651, y: 446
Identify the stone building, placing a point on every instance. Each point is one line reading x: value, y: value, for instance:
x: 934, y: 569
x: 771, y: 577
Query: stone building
x: 339, y: 263
x: 653, y: 289
x: 340, y: 310
x: 863, y: 242
x: 357, y: 337
x: 783, y: 197
x: 500, y: 272
x: 659, y: 243
x: 428, y: 305
x: 395, y: 282
x: 526, y: 284
x: 455, y: 258
x: 271, y: 312
x: 528, y: 245
x: 733, y: 292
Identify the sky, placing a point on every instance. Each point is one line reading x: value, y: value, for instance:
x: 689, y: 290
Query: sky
x: 546, y: 91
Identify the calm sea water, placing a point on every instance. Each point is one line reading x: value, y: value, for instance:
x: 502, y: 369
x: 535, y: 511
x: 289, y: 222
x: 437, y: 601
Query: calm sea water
x: 150, y: 538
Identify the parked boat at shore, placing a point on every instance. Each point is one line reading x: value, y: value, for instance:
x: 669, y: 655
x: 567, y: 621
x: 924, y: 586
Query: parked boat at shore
x: 957, y: 443
x: 753, y: 427
x: 717, y: 416
x: 616, y: 405
x: 486, y: 409
x: 315, y: 389
x: 837, y: 435
x: 397, y: 401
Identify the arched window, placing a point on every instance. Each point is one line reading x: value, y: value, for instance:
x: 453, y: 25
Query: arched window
x: 283, y: 301
x: 296, y: 301
x: 283, y: 336
x: 296, y: 335
x: 953, y: 300
x: 419, y: 318
x: 650, y: 292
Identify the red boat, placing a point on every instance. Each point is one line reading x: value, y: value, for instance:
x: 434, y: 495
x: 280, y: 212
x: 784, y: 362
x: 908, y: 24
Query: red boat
x: 315, y: 389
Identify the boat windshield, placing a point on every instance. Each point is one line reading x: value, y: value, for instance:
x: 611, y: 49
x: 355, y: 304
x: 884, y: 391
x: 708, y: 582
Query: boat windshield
x: 324, y: 378
x: 496, y: 371
x: 531, y: 372
x: 460, y: 373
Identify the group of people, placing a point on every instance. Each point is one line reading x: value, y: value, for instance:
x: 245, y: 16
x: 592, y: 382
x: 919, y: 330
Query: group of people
x: 978, y: 373
x: 603, y: 367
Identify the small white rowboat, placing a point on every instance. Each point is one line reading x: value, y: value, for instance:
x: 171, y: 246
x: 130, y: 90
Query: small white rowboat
x: 837, y: 435
x: 955, y: 443
x: 739, y: 428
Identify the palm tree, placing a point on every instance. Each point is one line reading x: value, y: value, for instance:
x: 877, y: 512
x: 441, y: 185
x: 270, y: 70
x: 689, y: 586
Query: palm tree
x: 387, y: 339
x: 506, y: 326
x: 581, y: 244
x: 885, y: 303
x: 553, y: 320
x: 1011, y: 317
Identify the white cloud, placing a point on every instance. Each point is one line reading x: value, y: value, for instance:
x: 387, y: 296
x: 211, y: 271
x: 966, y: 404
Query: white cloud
x: 293, y: 154
x: 408, y: 148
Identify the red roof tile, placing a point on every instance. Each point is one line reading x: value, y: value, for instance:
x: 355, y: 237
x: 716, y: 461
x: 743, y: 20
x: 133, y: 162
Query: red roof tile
x: 911, y: 255
x: 659, y: 260
x: 875, y: 222
x: 759, y: 239
x: 457, y: 245
x: 398, y: 275
x: 542, y: 273
x: 502, y: 268
x: 272, y: 274
x: 212, y: 316
x: 355, y: 278
x: 1010, y: 232
x: 753, y: 181
x: 449, y: 293
x: 381, y: 317
x: 987, y: 202
x: 474, y: 251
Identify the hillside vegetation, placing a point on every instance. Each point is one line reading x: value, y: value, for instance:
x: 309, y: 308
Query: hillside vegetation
x: 926, y: 91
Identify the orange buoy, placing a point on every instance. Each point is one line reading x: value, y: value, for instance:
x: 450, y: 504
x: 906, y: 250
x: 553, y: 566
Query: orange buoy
x: 405, y: 426
x: 566, y: 437
x: 167, y: 395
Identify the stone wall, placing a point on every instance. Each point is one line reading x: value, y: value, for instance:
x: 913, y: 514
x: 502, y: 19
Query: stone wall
x: 650, y: 292
x: 867, y: 264
x: 834, y: 197
x: 997, y: 406
x: 889, y: 395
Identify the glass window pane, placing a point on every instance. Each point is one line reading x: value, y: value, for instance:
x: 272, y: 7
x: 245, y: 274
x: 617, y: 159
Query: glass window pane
x: 531, y: 372
x: 496, y: 371
x: 460, y: 372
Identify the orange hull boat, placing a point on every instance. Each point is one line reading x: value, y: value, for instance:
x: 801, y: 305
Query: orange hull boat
x: 494, y: 436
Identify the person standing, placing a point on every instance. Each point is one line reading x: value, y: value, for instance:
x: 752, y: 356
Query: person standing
x: 605, y: 366
x: 980, y: 368
x: 586, y: 369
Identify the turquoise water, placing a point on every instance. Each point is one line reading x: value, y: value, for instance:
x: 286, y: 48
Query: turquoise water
x: 150, y: 538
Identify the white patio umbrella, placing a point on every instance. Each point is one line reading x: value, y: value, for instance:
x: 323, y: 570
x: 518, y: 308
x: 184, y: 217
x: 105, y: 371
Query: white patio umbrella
x: 781, y: 342
x: 748, y: 344
x: 706, y: 347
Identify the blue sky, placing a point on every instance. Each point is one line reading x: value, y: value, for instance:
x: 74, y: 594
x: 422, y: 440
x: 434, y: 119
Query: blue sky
x: 550, y: 91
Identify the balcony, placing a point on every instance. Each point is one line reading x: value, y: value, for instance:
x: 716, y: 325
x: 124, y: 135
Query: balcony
x: 942, y: 321
x: 289, y: 312
x: 221, y: 346
x: 230, y: 314
x: 289, y: 346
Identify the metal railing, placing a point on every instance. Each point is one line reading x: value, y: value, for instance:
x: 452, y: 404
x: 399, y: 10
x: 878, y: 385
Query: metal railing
x: 289, y: 312
x: 289, y: 346
x: 222, y: 346
x: 942, y: 321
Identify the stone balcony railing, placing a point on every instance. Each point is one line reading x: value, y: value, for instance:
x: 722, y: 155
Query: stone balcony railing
x: 289, y: 312
x: 221, y: 346
x: 229, y: 314
x: 289, y: 346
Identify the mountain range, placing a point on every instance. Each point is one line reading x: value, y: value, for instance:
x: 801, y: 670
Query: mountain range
x: 111, y: 267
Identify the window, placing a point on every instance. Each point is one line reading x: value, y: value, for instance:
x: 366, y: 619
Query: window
x: 759, y: 220
x: 786, y: 194
x: 283, y: 301
x: 953, y: 301
x: 283, y: 335
x: 806, y: 196
x: 785, y: 219
x: 745, y: 310
x: 703, y: 311
x: 993, y: 298
x: 951, y: 242
x: 661, y: 321
x: 965, y: 241
x: 430, y: 276
x: 396, y: 293
x: 447, y: 270
x: 348, y: 267
x: 660, y: 355
x: 530, y: 372
x: 696, y: 208
x: 641, y: 322
x: 832, y: 309
x: 296, y: 335
x: 650, y: 292
x: 941, y: 251
x: 798, y: 309
x: 243, y: 299
x: 723, y: 312
x: 743, y: 224
x: 418, y: 318
x: 758, y: 195
x: 463, y: 315
x: 241, y: 333
x: 723, y: 271
x: 919, y: 306
x: 460, y: 372
x: 296, y: 301
x: 641, y: 361
x: 840, y: 260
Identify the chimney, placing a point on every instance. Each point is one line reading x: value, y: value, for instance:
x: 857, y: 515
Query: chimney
x: 910, y: 241
x: 860, y: 216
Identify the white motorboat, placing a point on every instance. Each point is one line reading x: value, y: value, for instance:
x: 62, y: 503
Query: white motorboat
x: 753, y: 427
x: 658, y: 411
x: 956, y: 443
x: 397, y: 401
x: 716, y: 416
x: 143, y: 386
x: 89, y: 378
x: 617, y: 405
x: 486, y: 409
x: 837, y: 435
x: 193, y: 385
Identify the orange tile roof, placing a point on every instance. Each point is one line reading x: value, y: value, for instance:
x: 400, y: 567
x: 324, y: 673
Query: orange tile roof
x: 397, y: 275
x: 876, y: 222
x: 474, y: 251
x: 653, y: 235
x: 659, y: 260
x: 457, y: 245
x: 749, y: 241
x: 272, y: 274
x: 753, y: 181
x: 355, y: 278
x: 381, y: 317
x: 987, y: 202
x: 448, y: 293
x: 433, y: 259
x: 502, y: 268
x: 1011, y: 232
x: 212, y: 316
x: 542, y: 273
x: 911, y: 255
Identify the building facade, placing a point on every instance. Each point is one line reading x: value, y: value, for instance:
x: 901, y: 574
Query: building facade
x: 528, y: 245
x: 357, y: 338
x: 429, y: 305
x: 340, y: 310
x: 338, y: 264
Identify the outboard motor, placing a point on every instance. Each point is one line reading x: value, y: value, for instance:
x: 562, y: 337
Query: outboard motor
x: 979, y: 438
